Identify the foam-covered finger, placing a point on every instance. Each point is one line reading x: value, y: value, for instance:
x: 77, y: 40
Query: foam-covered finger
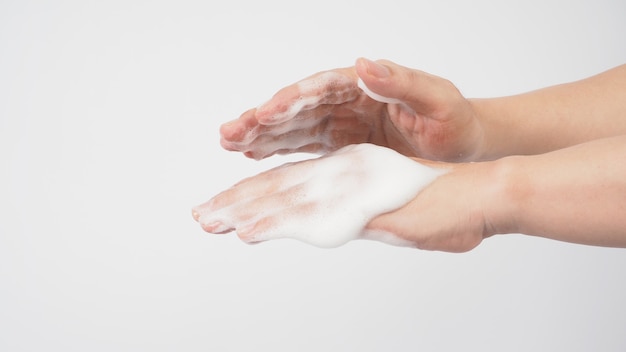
x: 330, y: 87
x: 303, y: 120
x: 225, y: 219
x: 267, y: 145
x: 246, y: 211
x: 211, y: 221
x: 248, y: 143
x: 307, y: 222
x: 288, y: 223
x: 330, y: 135
x: 238, y: 130
x: 250, y: 232
x: 242, y: 215
x: 215, y: 226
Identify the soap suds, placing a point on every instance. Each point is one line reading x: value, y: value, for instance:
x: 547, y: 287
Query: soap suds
x: 326, y: 201
x: 324, y: 88
x: 375, y: 96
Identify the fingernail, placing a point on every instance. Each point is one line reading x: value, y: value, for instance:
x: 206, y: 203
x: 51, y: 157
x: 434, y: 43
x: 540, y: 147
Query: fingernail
x: 377, y: 70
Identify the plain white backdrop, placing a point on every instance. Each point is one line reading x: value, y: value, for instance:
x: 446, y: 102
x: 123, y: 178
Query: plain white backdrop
x: 109, y: 117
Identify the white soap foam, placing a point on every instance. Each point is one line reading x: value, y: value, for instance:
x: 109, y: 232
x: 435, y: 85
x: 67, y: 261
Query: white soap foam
x: 375, y: 96
x: 315, y: 91
x: 288, y: 136
x: 335, y: 196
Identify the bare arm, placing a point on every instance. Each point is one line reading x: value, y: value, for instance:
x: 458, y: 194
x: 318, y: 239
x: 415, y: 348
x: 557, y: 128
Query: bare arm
x: 577, y: 194
x: 554, y: 117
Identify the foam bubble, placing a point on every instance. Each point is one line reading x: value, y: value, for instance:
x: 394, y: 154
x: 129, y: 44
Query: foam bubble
x: 323, y: 88
x: 375, y: 96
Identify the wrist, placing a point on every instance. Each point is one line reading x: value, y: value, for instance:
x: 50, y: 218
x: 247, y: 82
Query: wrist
x: 484, y: 112
x: 504, y: 189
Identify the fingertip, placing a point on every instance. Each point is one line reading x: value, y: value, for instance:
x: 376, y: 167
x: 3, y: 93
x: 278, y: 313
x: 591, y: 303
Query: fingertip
x: 236, y: 130
x: 251, y: 155
x: 367, y: 68
x: 216, y: 228
x: 246, y: 233
x: 361, y: 69
x: 226, y: 144
x: 256, y: 232
x: 360, y: 65
x: 211, y: 224
x: 226, y: 129
x: 374, y: 75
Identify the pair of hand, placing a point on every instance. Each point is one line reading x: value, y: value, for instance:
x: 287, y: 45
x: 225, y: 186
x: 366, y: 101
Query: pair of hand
x: 338, y: 197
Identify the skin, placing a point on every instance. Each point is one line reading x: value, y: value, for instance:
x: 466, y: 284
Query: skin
x: 547, y: 163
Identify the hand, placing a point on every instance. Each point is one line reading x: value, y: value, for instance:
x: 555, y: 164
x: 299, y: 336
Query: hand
x: 327, y: 111
x: 454, y: 213
x: 325, y: 201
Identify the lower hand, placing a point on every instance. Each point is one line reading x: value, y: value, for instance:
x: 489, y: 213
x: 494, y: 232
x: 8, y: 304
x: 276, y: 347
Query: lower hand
x: 325, y: 201
x: 358, y: 192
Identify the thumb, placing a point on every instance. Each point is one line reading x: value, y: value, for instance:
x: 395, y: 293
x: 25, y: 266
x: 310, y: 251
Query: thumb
x: 423, y: 92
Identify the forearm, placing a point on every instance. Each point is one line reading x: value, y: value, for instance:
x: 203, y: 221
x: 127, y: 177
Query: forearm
x: 576, y: 194
x: 554, y: 117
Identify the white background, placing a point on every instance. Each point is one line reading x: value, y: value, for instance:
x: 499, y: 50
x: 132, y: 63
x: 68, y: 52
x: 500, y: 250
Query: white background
x: 109, y: 117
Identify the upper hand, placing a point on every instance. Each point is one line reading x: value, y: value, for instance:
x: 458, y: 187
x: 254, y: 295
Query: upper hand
x: 327, y: 111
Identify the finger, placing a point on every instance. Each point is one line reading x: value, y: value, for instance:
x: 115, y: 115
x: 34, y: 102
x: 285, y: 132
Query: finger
x: 240, y: 135
x: 289, y: 223
x: 335, y: 140
x: 252, y: 232
x: 423, y: 92
x: 328, y: 135
x: 214, y: 224
x: 267, y: 145
x: 238, y: 130
x: 330, y: 87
